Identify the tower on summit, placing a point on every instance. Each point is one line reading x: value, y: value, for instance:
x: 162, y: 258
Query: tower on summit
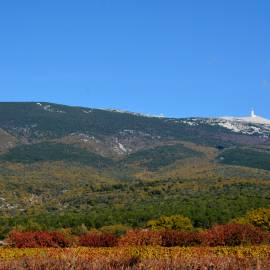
x: 253, y: 113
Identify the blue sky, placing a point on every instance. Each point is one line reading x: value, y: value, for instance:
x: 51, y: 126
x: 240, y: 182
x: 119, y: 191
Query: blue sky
x: 175, y: 57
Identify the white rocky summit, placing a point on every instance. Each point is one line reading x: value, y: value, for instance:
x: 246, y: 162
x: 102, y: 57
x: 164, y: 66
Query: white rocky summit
x: 249, y: 125
x: 253, y: 118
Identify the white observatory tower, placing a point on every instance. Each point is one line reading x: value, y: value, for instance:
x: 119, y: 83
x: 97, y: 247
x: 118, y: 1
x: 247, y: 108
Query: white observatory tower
x: 253, y: 115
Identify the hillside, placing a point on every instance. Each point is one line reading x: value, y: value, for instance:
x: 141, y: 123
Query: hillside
x: 63, y: 165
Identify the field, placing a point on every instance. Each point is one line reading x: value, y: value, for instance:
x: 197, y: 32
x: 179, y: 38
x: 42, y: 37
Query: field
x: 154, y: 257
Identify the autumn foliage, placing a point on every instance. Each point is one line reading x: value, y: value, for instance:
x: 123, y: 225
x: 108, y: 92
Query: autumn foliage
x: 37, y: 239
x: 141, y: 238
x: 98, y: 239
x: 219, y: 235
x: 172, y: 238
x: 258, y: 217
x: 234, y: 235
x: 175, y: 222
x: 137, y: 258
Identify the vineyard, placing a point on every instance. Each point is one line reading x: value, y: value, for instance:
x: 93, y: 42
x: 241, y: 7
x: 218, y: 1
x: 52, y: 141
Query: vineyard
x: 231, y: 246
x: 151, y: 257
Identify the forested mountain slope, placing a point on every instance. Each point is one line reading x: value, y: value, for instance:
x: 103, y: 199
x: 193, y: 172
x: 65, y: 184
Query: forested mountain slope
x: 66, y: 166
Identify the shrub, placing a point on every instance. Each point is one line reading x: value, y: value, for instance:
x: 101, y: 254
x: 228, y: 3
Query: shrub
x: 141, y: 238
x: 172, y: 238
x: 166, y: 238
x: 234, y: 235
x: 176, y: 222
x: 98, y: 239
x: 37, y: 239
x: 259, y: 218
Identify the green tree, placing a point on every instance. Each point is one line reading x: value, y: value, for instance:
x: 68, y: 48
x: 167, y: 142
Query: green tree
x: 79, y: 230
x: 30, y: 225
x: 117, y: 229
x: 175, y: 222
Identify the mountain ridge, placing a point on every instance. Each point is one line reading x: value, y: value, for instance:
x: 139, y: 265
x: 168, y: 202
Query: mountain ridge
x: 108, y: 167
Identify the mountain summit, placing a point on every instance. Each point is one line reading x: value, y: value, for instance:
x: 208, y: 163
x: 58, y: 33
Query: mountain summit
x: 253, y: 118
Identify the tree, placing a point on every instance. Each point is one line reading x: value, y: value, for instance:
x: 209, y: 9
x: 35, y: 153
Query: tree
x: 79, y: 230
x: 29, y: 226
x: 175, y: 222
x: 117, y: 229
x: 259, y: 218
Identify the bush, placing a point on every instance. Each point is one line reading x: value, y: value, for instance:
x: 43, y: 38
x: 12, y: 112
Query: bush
x: 176, y: 222
x: 234, y: 235
x: 259, y: 218
x: 37, y: 239
x: 141, y: 238
x: 166, y: 238
x: 98, y: 239
x: 172, y: 238
x: 219, y: 235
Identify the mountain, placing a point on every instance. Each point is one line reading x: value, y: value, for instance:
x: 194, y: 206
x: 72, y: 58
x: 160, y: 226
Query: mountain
x: 253, y: 118
x: 64, y: 166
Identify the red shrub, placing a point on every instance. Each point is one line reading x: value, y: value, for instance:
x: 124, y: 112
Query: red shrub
x: 234, y: 235
x: 172, y: 238
x: 141, y: 238
x: 37, y: 239
x: 166, y: 238
x: 220, y: 235
x: 97, y: 239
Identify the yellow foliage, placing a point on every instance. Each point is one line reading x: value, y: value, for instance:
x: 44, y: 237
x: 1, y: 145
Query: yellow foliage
x: 175, y: 222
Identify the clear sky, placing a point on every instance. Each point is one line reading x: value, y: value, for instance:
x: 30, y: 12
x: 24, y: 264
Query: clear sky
x: 175, y: 57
